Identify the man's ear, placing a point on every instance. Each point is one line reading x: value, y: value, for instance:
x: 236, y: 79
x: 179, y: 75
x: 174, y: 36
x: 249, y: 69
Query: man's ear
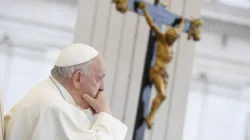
x: 76, y: 79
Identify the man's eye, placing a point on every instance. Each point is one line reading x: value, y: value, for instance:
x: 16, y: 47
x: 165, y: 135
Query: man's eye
x: 99, y: 79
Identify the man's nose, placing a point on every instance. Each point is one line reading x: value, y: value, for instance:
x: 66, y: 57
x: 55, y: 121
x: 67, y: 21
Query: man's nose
x: 102, y: 86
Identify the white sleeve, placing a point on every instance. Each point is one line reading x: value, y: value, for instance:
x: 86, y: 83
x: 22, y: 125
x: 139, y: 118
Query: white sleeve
x: 106, y: 125
x: 65, y: 124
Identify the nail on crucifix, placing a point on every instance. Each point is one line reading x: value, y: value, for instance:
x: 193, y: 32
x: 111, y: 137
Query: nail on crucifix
x: 159, y: 54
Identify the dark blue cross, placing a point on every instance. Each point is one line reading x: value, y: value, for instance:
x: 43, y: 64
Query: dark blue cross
x: 161, y: 16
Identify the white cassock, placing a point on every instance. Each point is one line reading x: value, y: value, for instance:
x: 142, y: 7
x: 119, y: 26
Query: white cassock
x: 45, y: 113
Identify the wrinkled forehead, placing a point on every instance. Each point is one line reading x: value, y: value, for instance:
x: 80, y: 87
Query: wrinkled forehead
x: 98, y: 65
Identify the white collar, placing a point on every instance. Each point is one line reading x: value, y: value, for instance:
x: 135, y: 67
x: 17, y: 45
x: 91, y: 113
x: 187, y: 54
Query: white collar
x: 66, y: 95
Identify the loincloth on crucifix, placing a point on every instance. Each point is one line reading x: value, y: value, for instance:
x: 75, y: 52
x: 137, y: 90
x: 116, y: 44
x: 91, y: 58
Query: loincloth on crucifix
x: 158, y: 71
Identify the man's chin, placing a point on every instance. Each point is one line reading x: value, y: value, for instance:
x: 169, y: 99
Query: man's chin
x: 85, y: 107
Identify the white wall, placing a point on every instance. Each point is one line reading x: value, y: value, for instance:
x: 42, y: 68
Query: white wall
x: 212, y: 116
x: 218, y: 106
x: 36, y: 31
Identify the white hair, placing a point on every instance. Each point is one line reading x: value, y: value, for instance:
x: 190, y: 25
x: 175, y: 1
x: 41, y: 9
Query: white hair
x: 66, y: 72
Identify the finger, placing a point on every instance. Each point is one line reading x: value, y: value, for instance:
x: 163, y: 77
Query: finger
x: 89, y: 99
x: 93, y: 110
x: 99, y: 93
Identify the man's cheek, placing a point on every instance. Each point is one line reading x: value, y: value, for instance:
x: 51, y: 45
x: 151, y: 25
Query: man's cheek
x: 95, y: 93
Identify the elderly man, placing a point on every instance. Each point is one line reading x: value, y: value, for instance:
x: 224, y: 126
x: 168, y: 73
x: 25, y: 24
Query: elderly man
x: 53, y: 109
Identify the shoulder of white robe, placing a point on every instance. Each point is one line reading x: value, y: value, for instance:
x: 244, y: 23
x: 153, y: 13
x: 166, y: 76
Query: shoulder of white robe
x: 68, y: 112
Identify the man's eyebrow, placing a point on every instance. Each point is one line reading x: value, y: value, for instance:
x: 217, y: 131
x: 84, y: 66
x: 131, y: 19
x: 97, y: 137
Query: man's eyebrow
x: 102, y: 75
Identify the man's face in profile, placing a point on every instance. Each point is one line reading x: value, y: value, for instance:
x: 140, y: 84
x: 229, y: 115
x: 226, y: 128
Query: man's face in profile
x: 94, y: 81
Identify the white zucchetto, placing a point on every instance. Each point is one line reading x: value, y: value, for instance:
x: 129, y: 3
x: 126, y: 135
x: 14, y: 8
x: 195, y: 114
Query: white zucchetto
x: 75, y: 54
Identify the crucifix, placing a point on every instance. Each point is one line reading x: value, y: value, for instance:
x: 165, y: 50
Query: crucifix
x: 159, y: 54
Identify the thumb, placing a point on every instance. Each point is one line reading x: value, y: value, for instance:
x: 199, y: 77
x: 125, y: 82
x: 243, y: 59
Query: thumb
x: 88, y: 99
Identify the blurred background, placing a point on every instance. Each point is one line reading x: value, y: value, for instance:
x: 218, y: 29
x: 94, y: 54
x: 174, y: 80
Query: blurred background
x: 32, y: 32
